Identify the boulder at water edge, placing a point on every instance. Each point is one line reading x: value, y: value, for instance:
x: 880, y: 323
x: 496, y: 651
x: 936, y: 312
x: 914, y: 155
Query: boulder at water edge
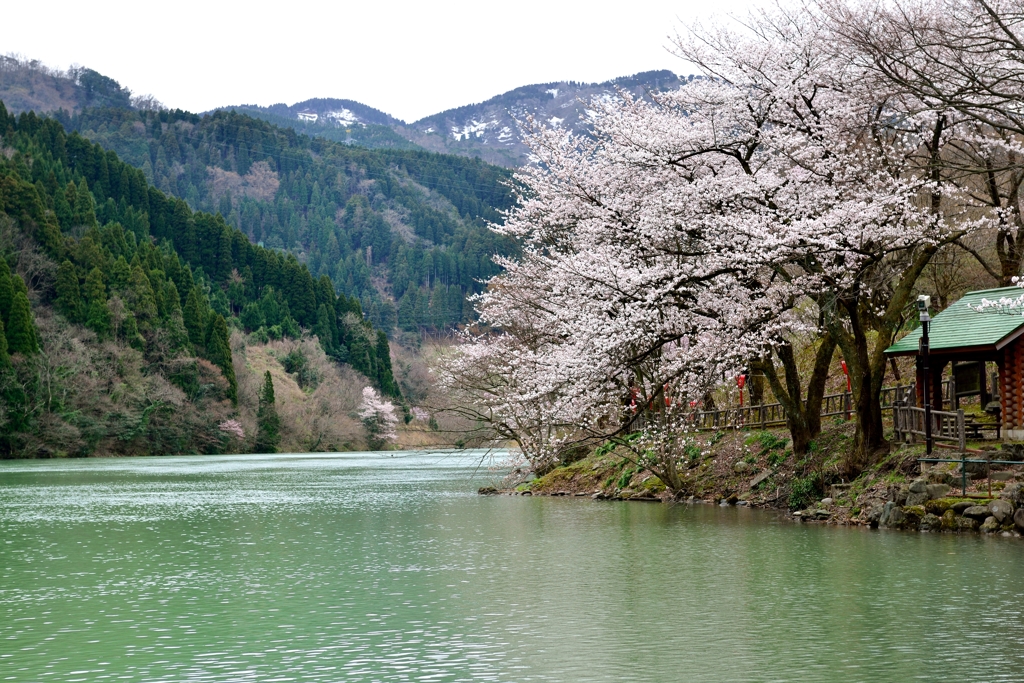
x: 1018, y: 518
x: 990, y: 526
x: 1002, y: 510
x: 949, y: 522
x: 931, y: 522
x: 977, y: 512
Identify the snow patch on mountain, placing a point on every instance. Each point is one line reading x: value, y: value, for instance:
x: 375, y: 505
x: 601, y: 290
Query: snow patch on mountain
x: 473, y: 129
x: 345, y: 117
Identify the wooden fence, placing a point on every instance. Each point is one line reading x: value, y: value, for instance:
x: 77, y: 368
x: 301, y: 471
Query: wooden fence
x: 774, y: 415
x: 946, y: 425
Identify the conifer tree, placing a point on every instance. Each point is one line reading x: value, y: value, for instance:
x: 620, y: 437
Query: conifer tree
x: 69, y: 297
x: 192, y: 315
x: 385, y: 375
x: 63, y: 211
x: 21, y: 333
x: 267, y: 422
x: 6, y: 292
x: 130, y: 332
x: 120, y: 273
x: 218, y: 351
x: 71, y: 196
x: 141, y: 298
x: 85, y: 209
x: 174, y: 323
x: 322, y: 329
x: 5, y: 358
x: 172, y: 301
x: 98, y: 315
x: 252, y: 317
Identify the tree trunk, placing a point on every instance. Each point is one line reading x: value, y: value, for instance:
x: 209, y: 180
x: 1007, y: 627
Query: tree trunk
x: 803, y: 419
x: 756, y: 388
x: 866, y: 366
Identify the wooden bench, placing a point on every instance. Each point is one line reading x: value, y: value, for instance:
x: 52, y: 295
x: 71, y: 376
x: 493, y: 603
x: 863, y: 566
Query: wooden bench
x: 973, y: 426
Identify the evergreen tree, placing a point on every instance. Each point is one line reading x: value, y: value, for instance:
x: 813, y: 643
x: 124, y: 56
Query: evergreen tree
x: 69, y: 296
x: 174, y: 323
x: 120, y: 274
x: 193, y: 316
x: 85, y: 209
x: 268, y: 425
x: 130, y: 332
x: 218, y: 352
x: 5, y: 358
x: 322, y: 329
x: 21, y: 333
x: 252, y: 317
x: 385, y: 375
x: 98, y: 315
x: 141, y: 298
x: 421, y: 314
x: 71, y: 196
x: 172, y: 300
x: 62, y: 209
x: 407, y: 311
x: 6, y: 292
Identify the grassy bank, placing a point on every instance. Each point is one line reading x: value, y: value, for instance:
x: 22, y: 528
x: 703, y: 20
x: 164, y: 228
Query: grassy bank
x: 759, y: 469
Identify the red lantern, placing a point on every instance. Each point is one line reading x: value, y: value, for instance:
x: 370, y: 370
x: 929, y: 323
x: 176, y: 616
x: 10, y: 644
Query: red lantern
x: 741, y: 380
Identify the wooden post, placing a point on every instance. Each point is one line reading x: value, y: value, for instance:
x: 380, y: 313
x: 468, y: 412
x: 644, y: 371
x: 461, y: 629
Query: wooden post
x: 988, y: 471
x: 961, y: 430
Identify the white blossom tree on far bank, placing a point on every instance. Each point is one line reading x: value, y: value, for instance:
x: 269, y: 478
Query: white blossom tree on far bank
x: 379, y: 419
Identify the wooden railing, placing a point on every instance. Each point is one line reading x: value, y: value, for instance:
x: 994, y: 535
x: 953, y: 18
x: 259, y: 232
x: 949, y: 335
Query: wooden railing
x: 946, y: 425
x: 774, y: 415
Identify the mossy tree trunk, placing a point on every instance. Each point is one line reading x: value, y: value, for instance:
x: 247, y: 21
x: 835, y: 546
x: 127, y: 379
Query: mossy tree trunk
x: 803, y: 418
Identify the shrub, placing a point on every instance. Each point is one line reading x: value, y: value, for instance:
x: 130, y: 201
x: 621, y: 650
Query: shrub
x: 769, y: 441
x: 803, y: 491
x: 776, y: 458
x: 624, y: 478
x: 296, y: 363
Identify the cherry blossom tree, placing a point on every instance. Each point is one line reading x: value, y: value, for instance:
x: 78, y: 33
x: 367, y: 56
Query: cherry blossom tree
x: 962, y: 60
x: 379, y: 418
x: 705, y: 227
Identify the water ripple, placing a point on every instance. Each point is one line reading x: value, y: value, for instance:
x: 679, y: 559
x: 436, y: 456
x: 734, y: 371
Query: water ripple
x: 365, y: 567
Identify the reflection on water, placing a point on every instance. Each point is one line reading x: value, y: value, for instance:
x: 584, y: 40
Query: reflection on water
x: 370, y: 567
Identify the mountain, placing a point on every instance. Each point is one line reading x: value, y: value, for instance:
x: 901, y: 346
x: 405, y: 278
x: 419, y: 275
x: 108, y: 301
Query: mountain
x: 488, y: 130
x: 341, y: 112
x: 345, y: 121
x: 28, y: 85
x: 404, y: 232
x: 126, y: 314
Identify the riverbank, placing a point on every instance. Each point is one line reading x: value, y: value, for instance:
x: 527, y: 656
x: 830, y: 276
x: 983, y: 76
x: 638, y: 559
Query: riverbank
x: 758, y: 469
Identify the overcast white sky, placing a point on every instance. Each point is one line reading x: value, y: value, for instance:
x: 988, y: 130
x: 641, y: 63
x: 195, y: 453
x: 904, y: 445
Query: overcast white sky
x: 410, y: 59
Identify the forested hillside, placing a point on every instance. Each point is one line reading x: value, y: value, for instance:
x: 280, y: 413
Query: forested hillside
x: 404, y: 232
x: 27, y: 85
x: 118, y: 302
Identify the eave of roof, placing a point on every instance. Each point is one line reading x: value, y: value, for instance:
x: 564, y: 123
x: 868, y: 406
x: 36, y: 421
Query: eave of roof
x: 962, y: 328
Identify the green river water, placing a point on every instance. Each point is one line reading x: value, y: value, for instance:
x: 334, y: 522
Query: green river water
x: 371, y: 567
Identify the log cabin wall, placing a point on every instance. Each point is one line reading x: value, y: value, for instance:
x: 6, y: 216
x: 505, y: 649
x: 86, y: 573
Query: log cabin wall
x: 1011, y: 390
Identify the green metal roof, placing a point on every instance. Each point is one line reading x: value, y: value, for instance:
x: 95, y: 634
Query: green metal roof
x: 962, y: 327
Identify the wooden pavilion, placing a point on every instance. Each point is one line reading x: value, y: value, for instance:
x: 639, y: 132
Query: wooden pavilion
x: 969, y: 339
